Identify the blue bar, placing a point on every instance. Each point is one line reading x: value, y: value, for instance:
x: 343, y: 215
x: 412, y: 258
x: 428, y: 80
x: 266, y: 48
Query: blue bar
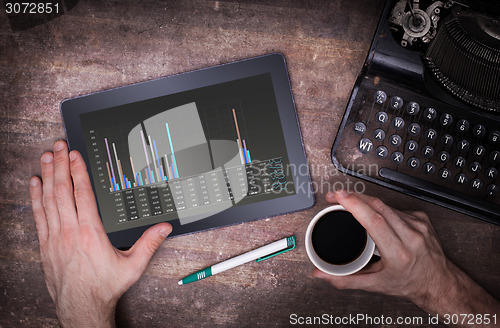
x: 245, y: 154
x: 158, y: 160
x: 126, y: 182
x: 113, y: 180
x: 173, y: 172
x: 172, y: 149
x: 248, y: 154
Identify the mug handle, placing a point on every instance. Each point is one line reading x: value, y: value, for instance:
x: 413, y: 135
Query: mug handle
x: 376, y: 256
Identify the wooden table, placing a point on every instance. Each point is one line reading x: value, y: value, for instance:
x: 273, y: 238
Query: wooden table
x: 104, y: 44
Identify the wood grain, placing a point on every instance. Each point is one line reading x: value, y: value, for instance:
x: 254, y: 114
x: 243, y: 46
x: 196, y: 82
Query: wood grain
x: 104, y: 44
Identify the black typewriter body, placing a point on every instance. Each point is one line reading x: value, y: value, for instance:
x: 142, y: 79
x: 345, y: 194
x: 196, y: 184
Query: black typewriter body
x: 424, y: 114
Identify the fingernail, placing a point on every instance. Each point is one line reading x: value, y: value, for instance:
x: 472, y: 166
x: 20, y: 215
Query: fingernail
x: 33, y: 182
x: 330, y: 194
x: 164, y: 232
x: 58, y: 146
x: 72, y: 156
x: 341, y: 193
x: 47, y: 158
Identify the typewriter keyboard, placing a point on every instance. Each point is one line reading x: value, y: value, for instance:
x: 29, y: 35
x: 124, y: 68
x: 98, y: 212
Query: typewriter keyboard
x: 402, y: 139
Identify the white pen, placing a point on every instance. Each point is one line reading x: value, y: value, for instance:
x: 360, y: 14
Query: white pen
x: 259, y: 254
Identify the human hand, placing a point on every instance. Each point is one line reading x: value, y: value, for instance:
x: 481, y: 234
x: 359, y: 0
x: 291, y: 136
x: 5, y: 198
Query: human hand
x: 84, y: 273
x: 413, y: 264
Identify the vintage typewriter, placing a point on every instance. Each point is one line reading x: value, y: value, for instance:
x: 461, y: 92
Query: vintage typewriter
x: 424, y: 115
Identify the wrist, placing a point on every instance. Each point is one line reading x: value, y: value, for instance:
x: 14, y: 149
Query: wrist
x: 454, y: 292
x: 99, y: 319
x: 441, y: 289
x: 92, y: 314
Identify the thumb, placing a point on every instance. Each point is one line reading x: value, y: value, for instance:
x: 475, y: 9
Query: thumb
x: 360, y: 280
x: 144, y: 248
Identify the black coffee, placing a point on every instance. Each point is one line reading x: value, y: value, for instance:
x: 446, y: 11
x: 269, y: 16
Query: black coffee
x: 338, y: 238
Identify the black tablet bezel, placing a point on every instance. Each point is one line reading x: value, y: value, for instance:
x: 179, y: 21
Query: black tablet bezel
x: 72, y: 108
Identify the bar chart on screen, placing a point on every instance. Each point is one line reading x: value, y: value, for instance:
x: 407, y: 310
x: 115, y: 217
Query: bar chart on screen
x: 188, y: 156
x: 161, y: 166
x: 158, y: 169
x: 183, y: 161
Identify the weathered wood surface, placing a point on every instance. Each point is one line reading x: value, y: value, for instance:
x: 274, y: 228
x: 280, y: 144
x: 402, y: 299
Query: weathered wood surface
x: 103, y: 44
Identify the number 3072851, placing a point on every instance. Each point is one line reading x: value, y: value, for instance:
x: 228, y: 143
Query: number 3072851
x: 31, y: 8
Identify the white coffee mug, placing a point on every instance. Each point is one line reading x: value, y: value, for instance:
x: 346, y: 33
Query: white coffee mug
x: 343, y: 269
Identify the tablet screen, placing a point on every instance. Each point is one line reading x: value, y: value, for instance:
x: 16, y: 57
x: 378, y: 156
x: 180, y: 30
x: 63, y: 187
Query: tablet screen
x: 188, y: 155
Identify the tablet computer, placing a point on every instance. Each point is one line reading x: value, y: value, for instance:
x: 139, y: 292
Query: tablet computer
x: 200, y: 150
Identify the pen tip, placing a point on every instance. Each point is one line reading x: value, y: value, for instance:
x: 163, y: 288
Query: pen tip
x: 180, y: 282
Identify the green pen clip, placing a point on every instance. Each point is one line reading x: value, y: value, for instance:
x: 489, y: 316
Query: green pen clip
x: 290, y: 242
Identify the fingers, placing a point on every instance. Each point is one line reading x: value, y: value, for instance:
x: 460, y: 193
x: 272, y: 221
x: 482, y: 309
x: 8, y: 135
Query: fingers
x: 376, y: 204
x: 366, y: 281
x: 84, y: 196
x: 394, y: 217
x: 403, y: 224
x: 330, y: 197
x: 63, y: 186
x: 422, y: 230
x: 48, y: 198
x: 144, y: 248
x: 403, y: 239
x: 374, y: 222
x: 420, y: 215
x: 418, y: 220
x: 38, y: 211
